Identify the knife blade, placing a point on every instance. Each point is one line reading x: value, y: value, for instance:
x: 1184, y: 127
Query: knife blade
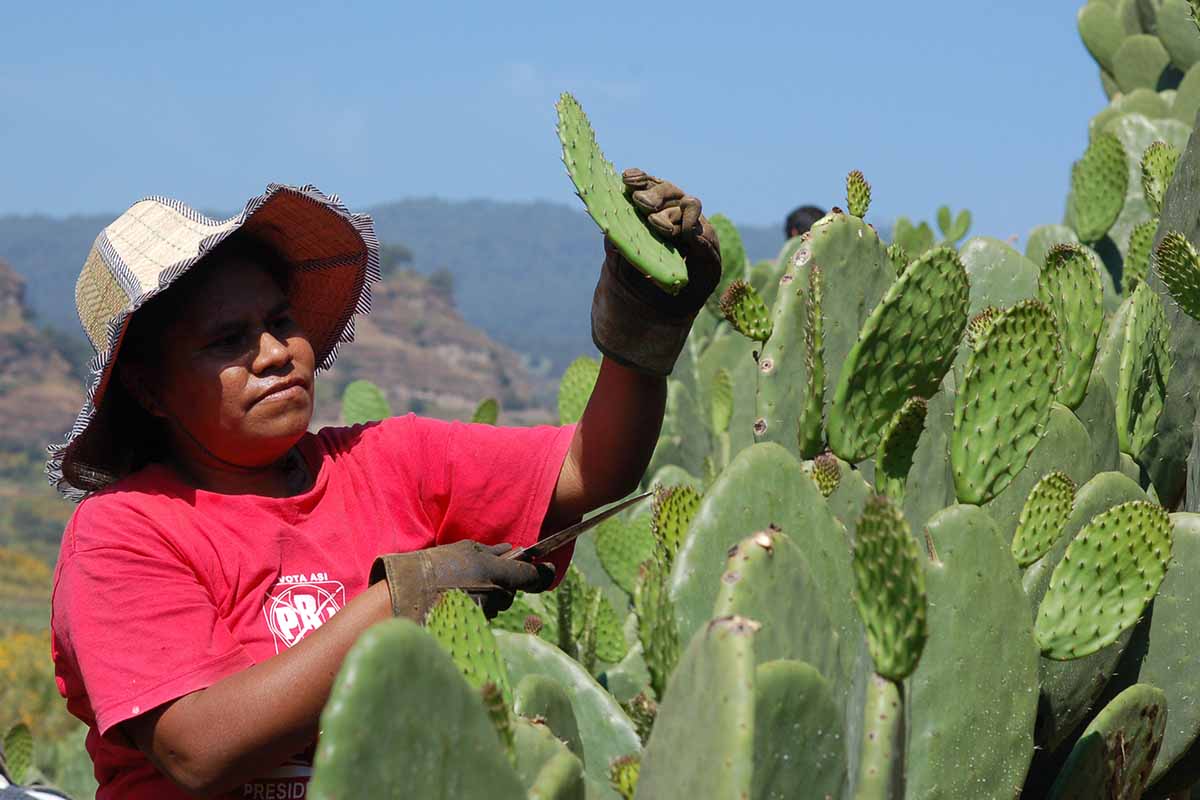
x: 549, y: 544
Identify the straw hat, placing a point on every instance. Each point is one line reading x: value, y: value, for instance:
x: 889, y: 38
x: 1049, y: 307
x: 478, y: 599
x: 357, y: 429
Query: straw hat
x: 334, y: 257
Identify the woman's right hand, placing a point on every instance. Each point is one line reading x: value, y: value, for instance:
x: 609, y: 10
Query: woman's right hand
x: 415, y: 580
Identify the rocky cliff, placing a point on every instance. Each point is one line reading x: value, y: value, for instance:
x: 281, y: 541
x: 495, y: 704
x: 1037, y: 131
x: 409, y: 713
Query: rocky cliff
x: 39, y: 393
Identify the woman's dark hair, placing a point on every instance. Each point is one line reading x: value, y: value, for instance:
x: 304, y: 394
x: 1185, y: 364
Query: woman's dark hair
x: 144, y: 436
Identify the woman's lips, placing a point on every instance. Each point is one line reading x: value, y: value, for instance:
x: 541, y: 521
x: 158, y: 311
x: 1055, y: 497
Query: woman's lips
x: 290, y: 392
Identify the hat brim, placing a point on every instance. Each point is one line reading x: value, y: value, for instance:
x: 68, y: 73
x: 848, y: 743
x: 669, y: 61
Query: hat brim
x: 334, y: 260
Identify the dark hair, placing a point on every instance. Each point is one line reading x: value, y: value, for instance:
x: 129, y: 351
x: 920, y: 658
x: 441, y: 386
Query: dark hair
x: 144, y: 438
x: 800, y: 220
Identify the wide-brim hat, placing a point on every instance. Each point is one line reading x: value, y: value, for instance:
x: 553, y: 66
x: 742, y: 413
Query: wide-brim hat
x: 334, y: 260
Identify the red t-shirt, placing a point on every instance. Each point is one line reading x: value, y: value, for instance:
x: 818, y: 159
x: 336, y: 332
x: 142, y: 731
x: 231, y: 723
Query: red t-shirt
x: 161, y: 589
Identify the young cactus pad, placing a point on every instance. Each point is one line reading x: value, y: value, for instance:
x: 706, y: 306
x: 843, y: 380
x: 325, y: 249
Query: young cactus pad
x: 890, y: 589
x: 858, y: 194
x: 997, y: 420
x: 746, y: 312
x: 575, y: 389
x: 1110, y: 572
x: 1179, y: 267
x: 603, y: 193
x: 1043, y: 517
x: 1158, y: 167
x: 903, y: 351
x: 897, y: 447
x: 1137, y: 258
x: 670, y: 516
x: 1145, y: 367
x: 1070, y: 287
x: 459, y: 625
x: 1098, y: 184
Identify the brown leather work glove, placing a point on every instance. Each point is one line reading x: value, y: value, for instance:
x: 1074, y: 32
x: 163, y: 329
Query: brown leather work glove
x: 634, y: 322
x: 416, y: 580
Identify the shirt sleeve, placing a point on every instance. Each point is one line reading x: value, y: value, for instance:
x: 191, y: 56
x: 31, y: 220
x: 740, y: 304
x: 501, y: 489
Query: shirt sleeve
x: 134, y: 626
x: 488, y: 483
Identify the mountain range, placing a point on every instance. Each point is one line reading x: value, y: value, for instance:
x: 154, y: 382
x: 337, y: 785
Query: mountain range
x: 523, y: 272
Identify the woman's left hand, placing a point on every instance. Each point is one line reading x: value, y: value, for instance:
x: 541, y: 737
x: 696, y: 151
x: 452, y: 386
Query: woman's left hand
x: 634, y: 322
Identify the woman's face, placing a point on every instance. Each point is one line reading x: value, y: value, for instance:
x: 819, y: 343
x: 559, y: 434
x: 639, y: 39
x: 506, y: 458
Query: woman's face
x: 237, y: 370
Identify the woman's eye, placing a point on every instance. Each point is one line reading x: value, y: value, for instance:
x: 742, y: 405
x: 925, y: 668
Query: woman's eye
x: 226, y: 342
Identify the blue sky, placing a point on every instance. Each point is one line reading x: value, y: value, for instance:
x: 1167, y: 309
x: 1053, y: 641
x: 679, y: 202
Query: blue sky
x: 755, y: 107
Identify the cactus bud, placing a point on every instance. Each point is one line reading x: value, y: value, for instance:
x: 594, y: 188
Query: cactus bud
x: 623, y: 773
x: 533, y: 625
x: 980, y: 324
x: 746, y: 312
x: 858, y: 193
x: 826, y: 473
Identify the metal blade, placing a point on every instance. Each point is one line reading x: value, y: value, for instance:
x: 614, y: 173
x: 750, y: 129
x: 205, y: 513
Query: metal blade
x: 548, y: 545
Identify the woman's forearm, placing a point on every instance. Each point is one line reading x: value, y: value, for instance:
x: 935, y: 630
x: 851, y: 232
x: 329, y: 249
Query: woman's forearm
x: 614, y: 441
x: 245, y: 725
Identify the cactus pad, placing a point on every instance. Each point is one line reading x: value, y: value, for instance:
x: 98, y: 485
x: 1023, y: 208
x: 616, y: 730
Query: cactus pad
x: 544, y: 699
x: 897, y: 447
x: 953, y: 228
x: 890, y: 589
x: 733, y: 252
x: 1145, y: 367
x: 1102, y: 32
x: 444, y: 725
x: 903, y: 351
x: 898, y: 257
x: 1110, y: 572
x: 1043, y: 517
x: 998, y: 421
x: 1158, y: 167
x: 363, y: 401
x: 811, y: 435
x: 1139, y: 62
x: 797, y: 733
x: 656, y: 624
x: 575, y: 389
x: 858, y: 194
x: 1098, y: 184
x: 603, y: 193
x: 486, y: 412
x: 980, y: 656
x: 1178, y: 265
x: 745, y: 311
x: 706, y: 749
x: 670, y: 516
x: 18, y: 752
x: 605, y: 731
x: 1070, y: 287
x: 721, y: 398
x: 1116, y: 752
x: 1137, y: 257
x: 622, y: 545
x: 826, y: 472
x: 459, y: 626
x: 768, y: 578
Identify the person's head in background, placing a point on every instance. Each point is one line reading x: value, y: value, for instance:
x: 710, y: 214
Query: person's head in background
x: 800, y: 220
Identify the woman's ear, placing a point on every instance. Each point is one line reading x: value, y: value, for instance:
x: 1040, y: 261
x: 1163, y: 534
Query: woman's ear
x: 133, y: 380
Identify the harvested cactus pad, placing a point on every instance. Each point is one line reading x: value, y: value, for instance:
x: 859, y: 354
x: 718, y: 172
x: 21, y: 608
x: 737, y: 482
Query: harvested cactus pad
x: 603, y: 193
x: 1110, y: 572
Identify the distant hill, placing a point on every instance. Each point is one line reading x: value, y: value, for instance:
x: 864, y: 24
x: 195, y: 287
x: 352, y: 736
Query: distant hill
x: 523, y: 272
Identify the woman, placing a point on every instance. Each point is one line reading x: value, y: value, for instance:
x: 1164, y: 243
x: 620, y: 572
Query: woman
x: 224, y: 560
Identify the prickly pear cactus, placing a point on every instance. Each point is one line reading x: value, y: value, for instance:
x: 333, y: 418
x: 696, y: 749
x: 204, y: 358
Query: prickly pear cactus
x: 363, y: 401
x: 1098, y: 184
x: 575, y: 389
x: 1043, y: 517
x: 745, y: 311
x: 459, y: 625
